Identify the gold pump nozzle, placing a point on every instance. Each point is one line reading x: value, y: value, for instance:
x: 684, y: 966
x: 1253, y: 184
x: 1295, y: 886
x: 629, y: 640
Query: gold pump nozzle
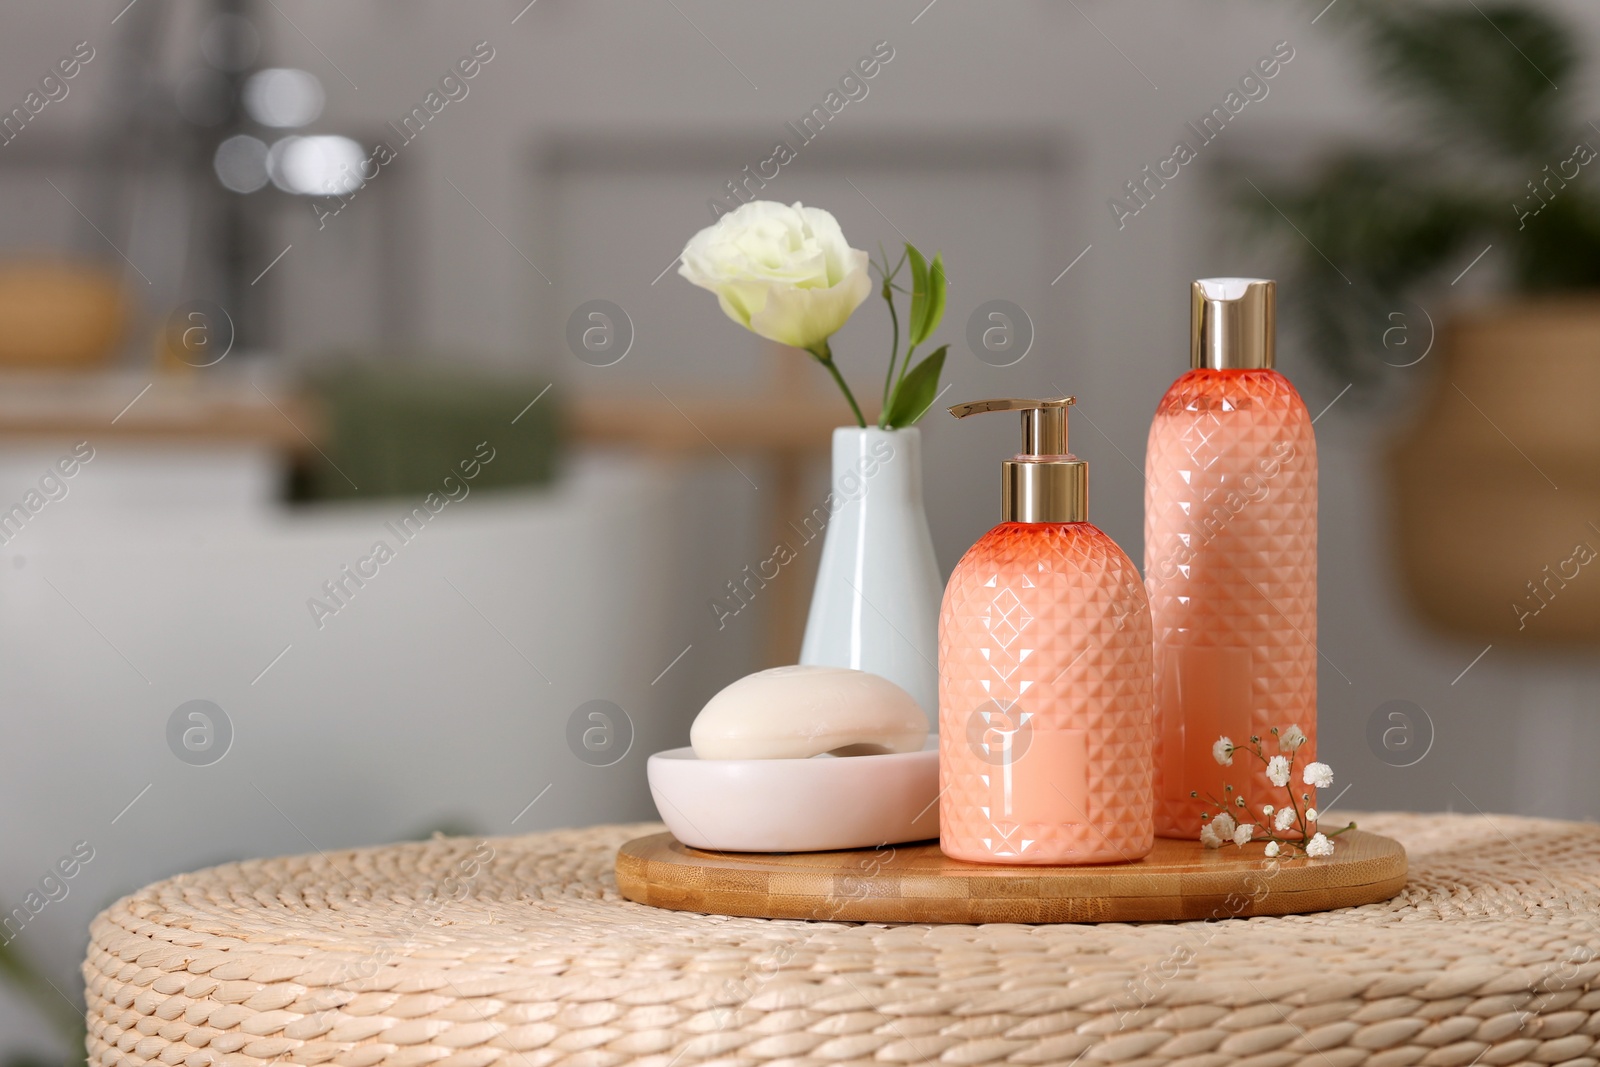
x: 1043, y: 482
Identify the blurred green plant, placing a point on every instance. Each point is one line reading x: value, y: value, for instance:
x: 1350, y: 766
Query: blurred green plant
x: 28, y: 980
x: 1378, y: 227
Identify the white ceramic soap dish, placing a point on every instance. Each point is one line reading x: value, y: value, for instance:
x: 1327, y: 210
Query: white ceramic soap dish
x: 797, y: 805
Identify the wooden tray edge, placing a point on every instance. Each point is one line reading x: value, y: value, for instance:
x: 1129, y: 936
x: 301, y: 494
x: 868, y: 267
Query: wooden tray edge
x: 1205, y: 895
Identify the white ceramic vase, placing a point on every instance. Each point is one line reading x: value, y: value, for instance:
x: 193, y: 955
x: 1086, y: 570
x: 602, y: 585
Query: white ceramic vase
x: 876, y: 603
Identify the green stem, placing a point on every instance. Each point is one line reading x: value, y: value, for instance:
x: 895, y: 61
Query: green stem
x: 1258, y: 750
x: 894, y: 351
x: 824, y: 356
x: 905, y: 366
x: 1294, y: 804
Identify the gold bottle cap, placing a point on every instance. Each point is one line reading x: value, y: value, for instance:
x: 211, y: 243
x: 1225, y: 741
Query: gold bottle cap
x: 1232, y: 323
x: 1043, y: 482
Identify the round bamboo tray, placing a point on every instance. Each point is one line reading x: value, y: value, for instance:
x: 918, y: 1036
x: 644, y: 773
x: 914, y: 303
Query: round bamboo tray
x: 520, y: 951
x: 917, y: 883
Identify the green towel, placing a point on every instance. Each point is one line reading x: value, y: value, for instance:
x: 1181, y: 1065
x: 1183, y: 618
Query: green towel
x: 399, y: 429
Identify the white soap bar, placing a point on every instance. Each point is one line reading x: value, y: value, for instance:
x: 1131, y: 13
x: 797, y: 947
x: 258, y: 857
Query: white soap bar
x: 799, y: 712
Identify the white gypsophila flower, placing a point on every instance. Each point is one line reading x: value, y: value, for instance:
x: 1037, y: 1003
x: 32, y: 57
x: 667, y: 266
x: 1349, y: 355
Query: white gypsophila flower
x: 1209, y: 838
x: 1311, y: 814
x: 1244, y: 833
x: 1278, y: 771
x: 783, y: 271
x: 1224, y: 825
x: 1317, y: 774
x: 1319, y: 846
x: 1284, y: 820
x: 1222, y: 751
x: 1272, y: 849
x: 1291, y: 739
x: 1266, y: 809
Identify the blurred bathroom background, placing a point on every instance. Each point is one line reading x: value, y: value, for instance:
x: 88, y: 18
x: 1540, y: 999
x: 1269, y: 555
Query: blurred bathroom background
x: 258, y: 342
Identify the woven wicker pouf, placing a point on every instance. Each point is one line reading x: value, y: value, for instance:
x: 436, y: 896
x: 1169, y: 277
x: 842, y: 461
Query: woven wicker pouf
x: 519, y: 951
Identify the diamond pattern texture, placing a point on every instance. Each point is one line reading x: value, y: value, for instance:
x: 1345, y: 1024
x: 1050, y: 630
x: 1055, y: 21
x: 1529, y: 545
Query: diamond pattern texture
x: 1231, y: 568
x: 1045, y: 702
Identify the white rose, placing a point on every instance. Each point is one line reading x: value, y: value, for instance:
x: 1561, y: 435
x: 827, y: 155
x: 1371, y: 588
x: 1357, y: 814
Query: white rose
x: 785, y: 273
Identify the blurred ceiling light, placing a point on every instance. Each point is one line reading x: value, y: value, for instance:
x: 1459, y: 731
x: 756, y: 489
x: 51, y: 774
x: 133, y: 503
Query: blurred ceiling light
x: 283, y: 97
x: 230, y: 43
x: 241, y: 163
x: 203, y: 97
x: 326, y: 165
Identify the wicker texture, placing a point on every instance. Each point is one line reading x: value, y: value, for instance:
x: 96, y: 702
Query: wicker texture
x: 518, y: 951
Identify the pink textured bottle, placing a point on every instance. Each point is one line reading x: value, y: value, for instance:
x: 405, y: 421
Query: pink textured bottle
x: 1045, y: 704
x: 1230, y: 560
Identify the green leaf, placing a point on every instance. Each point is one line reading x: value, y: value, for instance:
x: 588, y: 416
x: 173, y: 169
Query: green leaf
x: 1456, y: 66
x: 916, y: 391
x: 936, y: 295
x: 915, y: 334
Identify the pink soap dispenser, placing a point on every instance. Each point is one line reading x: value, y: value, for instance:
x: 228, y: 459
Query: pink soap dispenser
x: 1045, y: 703
x: 1230, y: 560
